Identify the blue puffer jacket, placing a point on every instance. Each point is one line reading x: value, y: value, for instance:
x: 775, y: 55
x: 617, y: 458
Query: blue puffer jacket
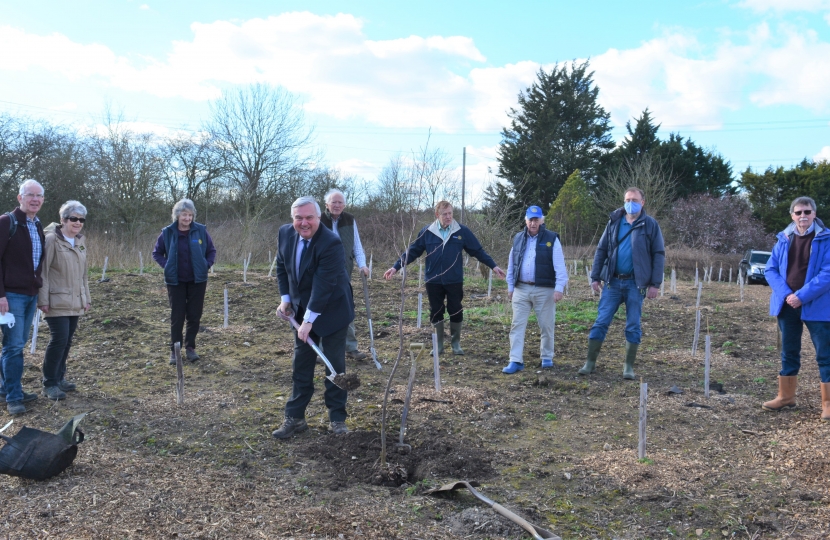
x: 445, y: 262
x: 815, y: 294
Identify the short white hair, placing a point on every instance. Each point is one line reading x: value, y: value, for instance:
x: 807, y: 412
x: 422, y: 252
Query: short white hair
x: 27, y: 183
x: 331, y: 192
x: 72, y: 207
x: 302, y: 201
x: 184, y: 205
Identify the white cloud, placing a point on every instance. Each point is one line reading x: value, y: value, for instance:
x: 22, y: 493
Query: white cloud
x: 442, y: 81
x: 797, y: 72
x: 359, y: 168
x: 144, y: 7
x: 762, y: 6
x: 823, y: 155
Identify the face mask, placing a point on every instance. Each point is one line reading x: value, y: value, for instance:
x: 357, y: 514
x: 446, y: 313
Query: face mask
x: 633, y: 207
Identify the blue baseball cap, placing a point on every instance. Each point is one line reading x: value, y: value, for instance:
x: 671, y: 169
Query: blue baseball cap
x: 534, y: 212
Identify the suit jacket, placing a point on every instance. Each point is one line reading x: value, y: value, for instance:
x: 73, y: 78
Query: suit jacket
x: 321, y: 285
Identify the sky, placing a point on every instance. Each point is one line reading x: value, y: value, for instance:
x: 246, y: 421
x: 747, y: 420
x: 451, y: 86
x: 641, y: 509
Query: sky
x: 748, y: 79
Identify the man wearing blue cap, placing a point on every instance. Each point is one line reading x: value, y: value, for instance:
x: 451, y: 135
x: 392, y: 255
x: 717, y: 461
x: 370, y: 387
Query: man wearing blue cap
x: 630, y: 258
x: 536, y: 279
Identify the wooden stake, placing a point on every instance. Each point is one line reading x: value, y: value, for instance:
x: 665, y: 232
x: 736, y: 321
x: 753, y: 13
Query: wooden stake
x: 226, y: 308
x: 662, y: 288
x: 36, y: 323
x: 244, y: 270
x: 730, y: 274
x: 420, y: 272
x: 177, y: 349
x: 741, y: 283
x: 641, y: 446
x: 490, y: 284
x: 696, y: 280
x: 273, y: 263
x: 673, y: 280
x: 140, y: 264
x: 435, y: 365
x: 370, y: 266
x: 720, y: 273
x: 706, y: 365
x: 697, y: 332
x: 420, y: 306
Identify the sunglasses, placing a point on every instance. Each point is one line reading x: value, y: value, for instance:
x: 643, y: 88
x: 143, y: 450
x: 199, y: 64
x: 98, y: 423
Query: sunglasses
x: 805, y: 212
x: 74, y: 219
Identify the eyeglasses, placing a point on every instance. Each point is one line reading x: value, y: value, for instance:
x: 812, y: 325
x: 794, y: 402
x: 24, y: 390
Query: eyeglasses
x: 33, y: 195
x: 74, y: 219
x: 805, y: 212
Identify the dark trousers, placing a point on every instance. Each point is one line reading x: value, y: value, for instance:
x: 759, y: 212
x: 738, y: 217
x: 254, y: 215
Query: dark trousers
x: 54, y: 360
x: 454, y: 293
x: 186, y: 303
x: 305, y: 360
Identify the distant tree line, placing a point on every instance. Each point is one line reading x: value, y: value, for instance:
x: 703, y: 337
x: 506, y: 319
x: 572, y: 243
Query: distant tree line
x: 558, y: 153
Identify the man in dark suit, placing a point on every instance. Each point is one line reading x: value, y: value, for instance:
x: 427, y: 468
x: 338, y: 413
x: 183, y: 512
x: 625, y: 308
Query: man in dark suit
x: 315, y: 290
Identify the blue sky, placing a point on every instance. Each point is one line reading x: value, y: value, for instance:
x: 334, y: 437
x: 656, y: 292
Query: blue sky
x: 747, y: 78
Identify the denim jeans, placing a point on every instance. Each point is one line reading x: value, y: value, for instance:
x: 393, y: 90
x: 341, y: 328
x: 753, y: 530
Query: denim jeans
x: 616, y: 292
x: 54, y: 360
x: 791, y: 325
x: 23, y: 307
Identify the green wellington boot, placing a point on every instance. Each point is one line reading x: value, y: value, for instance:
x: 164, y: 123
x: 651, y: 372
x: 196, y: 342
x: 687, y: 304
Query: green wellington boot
x: 455, y: 336
x: 630, y: 357
x: 594, y: 345
x: 439, y: 332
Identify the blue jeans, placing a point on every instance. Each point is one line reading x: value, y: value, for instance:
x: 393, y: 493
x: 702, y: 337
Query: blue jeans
x: 791, y: 325
x: 616, y: 292
x: 23, y: 307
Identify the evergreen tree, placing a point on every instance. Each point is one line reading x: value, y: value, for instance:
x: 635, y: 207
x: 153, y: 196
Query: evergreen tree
x: 694, y: 169
x: 573, y: 214
x: 771, y: 192
x: 559, y: 127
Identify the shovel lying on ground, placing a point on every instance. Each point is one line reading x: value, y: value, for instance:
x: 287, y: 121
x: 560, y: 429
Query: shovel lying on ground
x: 346, y: 382
x: 538, y: 533
x: 369, y: 316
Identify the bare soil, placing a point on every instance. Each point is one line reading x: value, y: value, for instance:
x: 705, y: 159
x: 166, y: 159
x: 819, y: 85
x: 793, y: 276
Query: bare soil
x: 557, y: 448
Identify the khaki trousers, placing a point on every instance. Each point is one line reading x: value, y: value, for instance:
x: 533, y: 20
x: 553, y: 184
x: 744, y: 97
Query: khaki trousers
x: 540, y: 300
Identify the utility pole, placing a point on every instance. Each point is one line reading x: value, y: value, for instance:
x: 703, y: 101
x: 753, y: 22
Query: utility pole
x: 463, y: 180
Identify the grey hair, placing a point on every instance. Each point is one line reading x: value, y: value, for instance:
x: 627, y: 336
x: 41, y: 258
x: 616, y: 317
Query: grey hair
x: 27, y: 183
x: 331, y: 192
x: 184, y: 205
x: 72, y: 207
x: 302, y: 201
x: 802, y: 201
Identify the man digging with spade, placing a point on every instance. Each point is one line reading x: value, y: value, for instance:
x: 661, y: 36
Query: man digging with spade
x: 315, y: 291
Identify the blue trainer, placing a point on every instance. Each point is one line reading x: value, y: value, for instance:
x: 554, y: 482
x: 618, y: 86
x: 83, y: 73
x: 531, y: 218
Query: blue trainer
x: 547, y: 363
x: 513, y: 367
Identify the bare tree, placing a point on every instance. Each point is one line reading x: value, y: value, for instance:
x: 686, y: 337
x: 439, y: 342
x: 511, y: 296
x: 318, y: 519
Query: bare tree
x: 645, y: 172
x: 432, y: 176
x: 126, y: 176
x: 22, y: 142
x: 192, y: 167
x: 262, y: 139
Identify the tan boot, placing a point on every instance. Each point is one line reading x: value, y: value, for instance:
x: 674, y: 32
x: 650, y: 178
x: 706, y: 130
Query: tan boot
x: 825, y: 402
x: 786, y: 394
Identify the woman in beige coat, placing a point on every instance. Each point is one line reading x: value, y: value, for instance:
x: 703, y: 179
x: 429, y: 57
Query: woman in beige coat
x: 64, y: 295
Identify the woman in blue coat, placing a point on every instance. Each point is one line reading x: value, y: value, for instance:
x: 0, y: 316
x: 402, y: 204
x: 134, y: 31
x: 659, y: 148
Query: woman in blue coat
x: 185, y: 250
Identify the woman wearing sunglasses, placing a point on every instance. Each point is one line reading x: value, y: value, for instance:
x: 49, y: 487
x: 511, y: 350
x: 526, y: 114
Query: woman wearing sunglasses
x: 64, y: 295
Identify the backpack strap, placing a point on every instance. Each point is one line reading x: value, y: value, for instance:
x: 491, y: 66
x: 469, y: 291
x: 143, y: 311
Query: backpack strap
x: 12, y: 223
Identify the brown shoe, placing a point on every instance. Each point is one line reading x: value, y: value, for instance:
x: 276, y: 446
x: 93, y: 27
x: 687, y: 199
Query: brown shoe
x: 825, y: 402
x: 356, y: 355
x: 786, y: 394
